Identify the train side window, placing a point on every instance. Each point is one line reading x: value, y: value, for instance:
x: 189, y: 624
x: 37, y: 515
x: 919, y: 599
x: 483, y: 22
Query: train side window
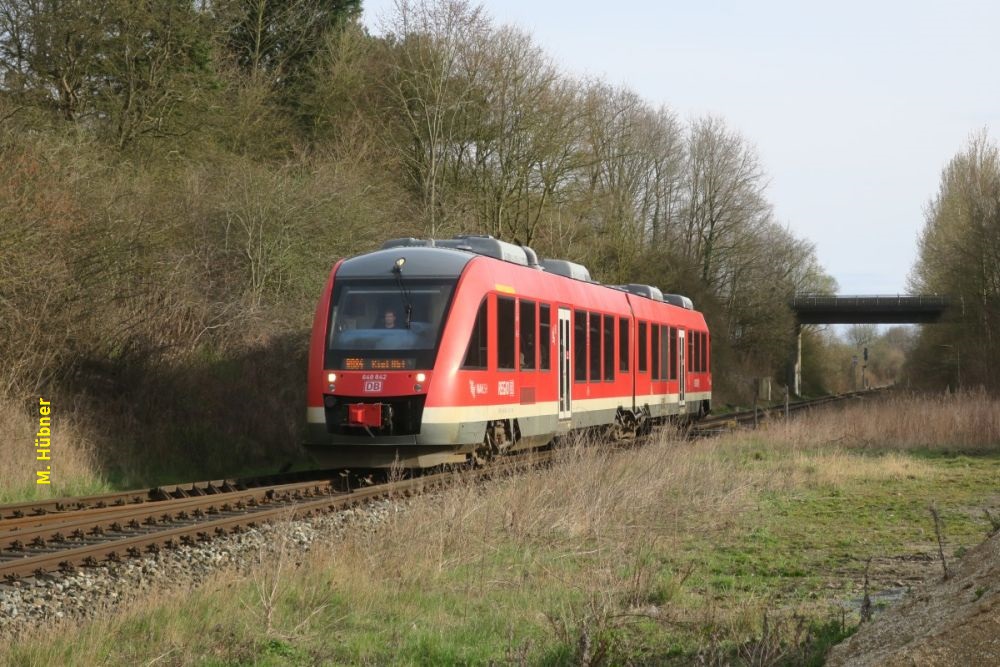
x: 527, y: 329
x: 708, y: 353
x: 695, y: 349
x: 696, y: 356
x: 609, y: 348
x: 655, y: 345
x: 673, y: 353
x: 579, y: 346
x: 642, y: 347
x: 544, y: 337
x: 505, y: 333
x: 475, y: 354
x: 690, y: 350
x: 595, y: 347
x: 700, y: 353
x: 623, y: 344
x: 664, y: 352
x: 704, y: 351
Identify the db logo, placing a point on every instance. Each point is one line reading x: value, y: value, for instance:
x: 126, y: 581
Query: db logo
x: 373, y: 385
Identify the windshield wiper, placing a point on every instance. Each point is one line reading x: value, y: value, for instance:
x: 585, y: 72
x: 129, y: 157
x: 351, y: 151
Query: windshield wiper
x: 397, y: 269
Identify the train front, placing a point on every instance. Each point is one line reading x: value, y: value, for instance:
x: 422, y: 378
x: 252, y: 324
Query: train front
x: 375, y: 338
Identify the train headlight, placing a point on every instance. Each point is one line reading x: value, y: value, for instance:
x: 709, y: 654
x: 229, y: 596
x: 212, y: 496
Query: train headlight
x: 418, y: 387
x: 331, y: 378
x: 421, y: 377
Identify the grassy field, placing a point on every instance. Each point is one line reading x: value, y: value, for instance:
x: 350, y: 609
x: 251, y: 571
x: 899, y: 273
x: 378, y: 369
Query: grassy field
x: 751, y: 548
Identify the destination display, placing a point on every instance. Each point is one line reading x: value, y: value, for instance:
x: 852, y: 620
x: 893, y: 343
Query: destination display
x: 363, y: 364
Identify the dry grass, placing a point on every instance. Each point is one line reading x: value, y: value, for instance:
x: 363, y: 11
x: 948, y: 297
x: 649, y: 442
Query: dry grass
x: 720, y: 551
x: 593, y: 500
x: 74, y: 469
x: 967, y: 421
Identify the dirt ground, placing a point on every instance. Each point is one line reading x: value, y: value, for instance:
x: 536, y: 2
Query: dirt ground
x: 953, y: 621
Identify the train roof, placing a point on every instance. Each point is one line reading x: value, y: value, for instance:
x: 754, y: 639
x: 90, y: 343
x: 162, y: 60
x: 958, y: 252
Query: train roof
x: 426, y: 258
x: 419, y: 262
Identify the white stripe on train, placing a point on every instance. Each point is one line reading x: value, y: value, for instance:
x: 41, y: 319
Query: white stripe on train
x: 474, y: 413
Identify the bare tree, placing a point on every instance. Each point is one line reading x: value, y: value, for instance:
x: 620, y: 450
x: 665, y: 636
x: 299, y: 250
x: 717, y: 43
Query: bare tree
x: 959, y: 255
x: 432, y: 83
x: 725, y: 198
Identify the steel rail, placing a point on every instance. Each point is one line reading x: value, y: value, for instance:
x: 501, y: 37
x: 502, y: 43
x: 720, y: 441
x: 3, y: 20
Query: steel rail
x: 156, y: 494
x: 715, y: 423
x: 151, y: 538
x: 15, y: 532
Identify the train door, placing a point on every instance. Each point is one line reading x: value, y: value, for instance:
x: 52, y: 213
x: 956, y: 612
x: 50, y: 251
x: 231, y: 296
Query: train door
x: 681, y: 367
x: 565, y: 379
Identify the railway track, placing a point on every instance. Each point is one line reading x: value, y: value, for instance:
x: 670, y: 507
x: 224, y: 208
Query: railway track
x: 60, y: 535
x: 38, y: 538
x: 155, y: 494
x: 722, y: 423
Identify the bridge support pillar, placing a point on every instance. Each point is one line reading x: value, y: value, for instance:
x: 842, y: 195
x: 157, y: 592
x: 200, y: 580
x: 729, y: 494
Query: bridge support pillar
x: 794, y: 381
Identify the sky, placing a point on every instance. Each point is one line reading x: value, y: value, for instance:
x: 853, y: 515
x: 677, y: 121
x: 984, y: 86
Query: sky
x: 853, y: 107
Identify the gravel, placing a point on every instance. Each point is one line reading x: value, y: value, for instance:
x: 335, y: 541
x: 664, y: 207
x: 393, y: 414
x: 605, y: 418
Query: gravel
x: 91, y: 591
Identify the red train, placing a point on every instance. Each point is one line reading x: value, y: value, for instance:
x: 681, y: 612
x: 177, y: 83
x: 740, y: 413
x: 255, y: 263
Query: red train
x: 440, y: 351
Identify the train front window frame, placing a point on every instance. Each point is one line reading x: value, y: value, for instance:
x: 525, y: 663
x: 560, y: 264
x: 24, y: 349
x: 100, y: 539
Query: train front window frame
x: 359, y: 335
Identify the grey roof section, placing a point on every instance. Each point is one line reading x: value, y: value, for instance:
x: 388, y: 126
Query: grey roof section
x: 421, y: 262
x: 478, y: 244
x: 567, y: 269
x: 647, y: 291
x: 679, y: 300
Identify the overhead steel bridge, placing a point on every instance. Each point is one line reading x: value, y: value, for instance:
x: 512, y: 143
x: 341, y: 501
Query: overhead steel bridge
x: 858, y: 309
x: 868, y: 309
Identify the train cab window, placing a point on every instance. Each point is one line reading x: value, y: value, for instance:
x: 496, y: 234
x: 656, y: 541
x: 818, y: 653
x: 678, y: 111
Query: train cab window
x: 609, y: 348
x: 374, y: 324
x: 642, y: 347
x: 475, y: 355
x: 579, y: 346
x: 623, y: 344
x: 655, y: 345
x: 673, y: 353
x: 526, y: 327
x: 544, y: 337
x: 664, y: 352
x: 595, y: 347
x: 505, y: 333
